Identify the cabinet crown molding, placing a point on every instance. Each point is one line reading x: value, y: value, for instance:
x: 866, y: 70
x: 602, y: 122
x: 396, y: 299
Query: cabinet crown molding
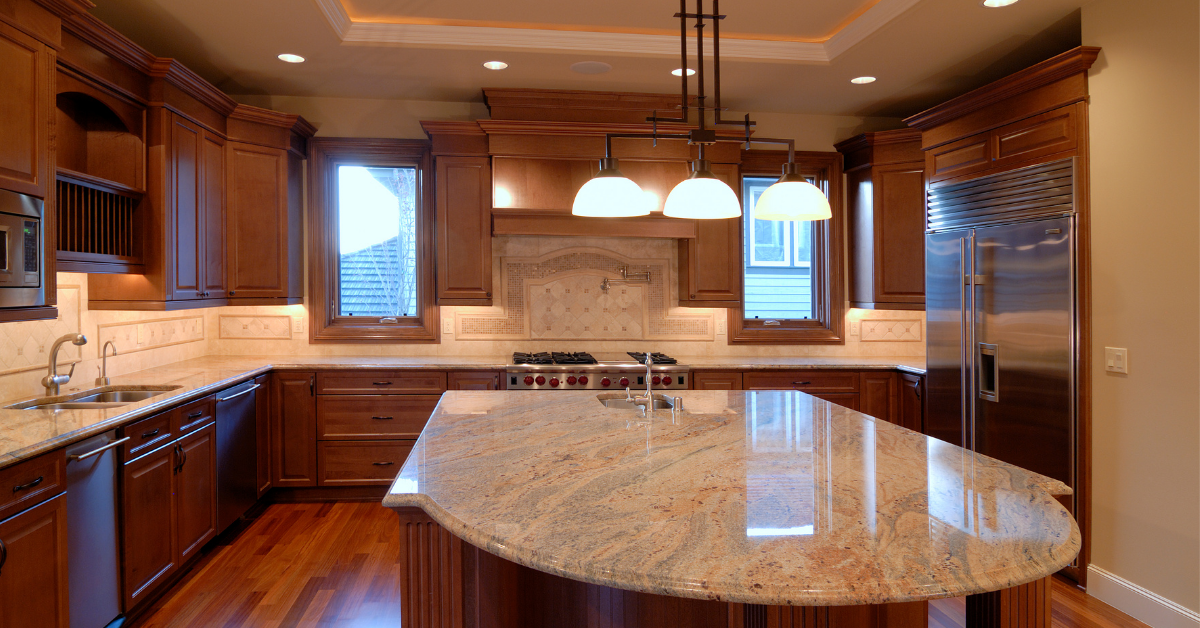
x: 878, y: 138
x: 293, y: 122
x: 1053, y: 69
x: 451, y: 127
x: 576, y: 105
x: 106, y: 39
x: 177, y: 74
x: 67, y: 8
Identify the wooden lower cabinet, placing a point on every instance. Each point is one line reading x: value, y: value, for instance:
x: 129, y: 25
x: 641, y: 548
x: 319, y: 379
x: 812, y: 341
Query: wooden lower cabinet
x: 846, y: 400
x: 262, y: 433
x: 878, y: 394
x: 474, y: 380
x: 149, y: 529
x: 362, y: 463
x: 294, y: 429
x: 196, y: 490
x: 807, y: 381
x: 716, y: 380
x: 33, y: 574
x: 373, y: 417
x: 911, y: 406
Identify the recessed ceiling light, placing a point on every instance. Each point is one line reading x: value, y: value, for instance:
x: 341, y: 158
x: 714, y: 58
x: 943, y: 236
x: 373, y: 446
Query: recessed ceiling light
x: 590, y: 67
x: 679, y: 72
x: 993, y: 4
x: 495, y: 65
x: 863, y: 80
x: 291, y: 58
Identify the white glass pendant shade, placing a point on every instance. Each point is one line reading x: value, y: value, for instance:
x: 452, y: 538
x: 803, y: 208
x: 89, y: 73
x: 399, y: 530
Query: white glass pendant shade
x: 792, y: 198
x: 702, y: 196
x: 610, y: 195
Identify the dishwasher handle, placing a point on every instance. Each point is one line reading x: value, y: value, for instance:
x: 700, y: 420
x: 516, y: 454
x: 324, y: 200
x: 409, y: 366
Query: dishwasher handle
x: 244, y: 392
x: 115, y: 443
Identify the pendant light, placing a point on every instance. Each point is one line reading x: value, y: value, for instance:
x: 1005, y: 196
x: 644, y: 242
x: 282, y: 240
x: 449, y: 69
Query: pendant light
x: 610, y: 194
x: 703, y: 196
x: 792, y: 198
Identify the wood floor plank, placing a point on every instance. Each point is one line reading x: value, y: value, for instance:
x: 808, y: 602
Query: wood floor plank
x: 337, y: 564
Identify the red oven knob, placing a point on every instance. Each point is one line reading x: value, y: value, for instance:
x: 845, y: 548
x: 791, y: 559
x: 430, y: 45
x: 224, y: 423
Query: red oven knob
x: 605, y: 382
x: 540, y: 380
x: 528, y: 380
x: 571, y: 380
x: 554, y: 382
x: 657, y: 380
x: 624, y: 381
x: 667, y: 380
x: 583, y: 380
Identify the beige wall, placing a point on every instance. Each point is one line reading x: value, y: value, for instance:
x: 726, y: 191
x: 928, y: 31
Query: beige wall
x: 1145, y: 150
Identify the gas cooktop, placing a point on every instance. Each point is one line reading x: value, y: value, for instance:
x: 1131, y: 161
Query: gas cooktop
x: 561, y: 370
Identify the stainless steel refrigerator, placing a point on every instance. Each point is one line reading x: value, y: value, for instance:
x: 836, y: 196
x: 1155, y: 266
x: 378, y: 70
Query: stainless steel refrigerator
x: 1000, y: 300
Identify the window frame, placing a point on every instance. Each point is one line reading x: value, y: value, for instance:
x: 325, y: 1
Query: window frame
x: 326, y: 155
x: 827, y: 327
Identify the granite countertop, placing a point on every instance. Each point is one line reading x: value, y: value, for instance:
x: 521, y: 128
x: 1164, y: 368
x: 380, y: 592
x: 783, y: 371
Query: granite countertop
x: 28, y: 433
x: 766, y: 497
x: 908, y: 364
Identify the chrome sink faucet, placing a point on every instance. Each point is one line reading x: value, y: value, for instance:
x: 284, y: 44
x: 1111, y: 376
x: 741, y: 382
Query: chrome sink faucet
x: 53, y: 380
x: 647, y: 402
x: 103, y: 379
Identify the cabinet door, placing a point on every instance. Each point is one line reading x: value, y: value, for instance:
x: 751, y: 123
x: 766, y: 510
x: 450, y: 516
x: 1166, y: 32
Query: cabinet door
x: 26, y: 102
x: 473, y: 380
x: 716, y: 380
x: 912, y: 406
x: 899, y: 248
x: 877, y: 395
x: 33, y: 574
x: 211, y: 235
x: 846, y: 400
x: 184, y: 207
x: 196, y: 490
x: 148, y: 530
x: 464, y: 231
x: 257, y: 226
x: 294, y: 429
x: 710, y: 265
x: 262, y: 433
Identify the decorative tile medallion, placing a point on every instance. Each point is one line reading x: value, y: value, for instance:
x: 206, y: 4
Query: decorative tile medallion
x: 24, y: 345
x: 891, y: 331
x: 563, y: 295
x: 255, y: 327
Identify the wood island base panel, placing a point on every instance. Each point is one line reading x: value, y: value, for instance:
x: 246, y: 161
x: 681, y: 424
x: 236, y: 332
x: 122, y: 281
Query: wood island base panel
x: 755, y: 508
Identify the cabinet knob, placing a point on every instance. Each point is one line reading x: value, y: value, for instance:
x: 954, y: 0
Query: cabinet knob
x: 693, y: 296
x: 231, y: 293
x: 489, y: 295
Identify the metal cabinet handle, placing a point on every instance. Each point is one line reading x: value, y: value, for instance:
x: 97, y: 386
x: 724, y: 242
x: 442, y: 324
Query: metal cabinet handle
x: 115, y: 443
x: 3, y: 554
x: 801, y: 383
x: 383, y: 464
x: 383, y: 418
x: 20, y: 487
x: 179, y: 457
x: 381, y: 383
x: 244, y: 392
x: 153, y: 432
x: 312, y: 385
x: 195, y: 415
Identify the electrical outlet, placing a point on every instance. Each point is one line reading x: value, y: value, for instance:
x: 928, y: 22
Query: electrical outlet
x: 1116, y: 360
x: 720, y: 327
x: 141, y: 335
x: 448, y: 325
x: 297, y: 324
x: 855, y: 327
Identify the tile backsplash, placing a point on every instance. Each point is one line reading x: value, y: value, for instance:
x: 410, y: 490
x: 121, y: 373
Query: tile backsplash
x: 550, y: 296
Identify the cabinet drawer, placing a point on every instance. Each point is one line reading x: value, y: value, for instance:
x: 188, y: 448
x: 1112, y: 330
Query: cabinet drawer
x: 381, y: 383
x: 196, y: 415
x: 362, y: 463
x: 808, y: 381
x: 147, y: 434
x: 373, y: 417
x: 716, y: 380
x: 28, y: 483
x: 846, y: 400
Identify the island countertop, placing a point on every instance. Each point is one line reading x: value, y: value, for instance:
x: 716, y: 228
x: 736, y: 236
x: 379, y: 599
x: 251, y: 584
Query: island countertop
x: 764, y: 497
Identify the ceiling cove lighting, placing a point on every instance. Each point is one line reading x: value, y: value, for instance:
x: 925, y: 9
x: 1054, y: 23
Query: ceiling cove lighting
x: 995, y: 4
x: 291, y: 58
x: 495, y: 65
x: 702, y: 195
x: 863, y: 80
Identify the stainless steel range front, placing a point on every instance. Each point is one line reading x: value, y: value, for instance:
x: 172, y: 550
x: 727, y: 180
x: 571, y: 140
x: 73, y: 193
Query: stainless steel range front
x: 582, y: 371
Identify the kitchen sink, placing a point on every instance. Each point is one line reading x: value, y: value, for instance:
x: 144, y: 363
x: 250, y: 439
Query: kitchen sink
x: 619, y: 401
x: 96, y: 398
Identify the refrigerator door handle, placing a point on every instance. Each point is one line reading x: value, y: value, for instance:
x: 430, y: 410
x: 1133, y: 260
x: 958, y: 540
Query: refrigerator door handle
x: 968, y: 349
x: 989, y: 372
x: 963, y: 343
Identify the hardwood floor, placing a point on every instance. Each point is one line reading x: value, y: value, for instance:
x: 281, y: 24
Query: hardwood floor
x: 336, y: 564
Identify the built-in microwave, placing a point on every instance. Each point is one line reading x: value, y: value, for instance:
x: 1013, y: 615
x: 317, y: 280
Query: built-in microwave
x: 22, y: 248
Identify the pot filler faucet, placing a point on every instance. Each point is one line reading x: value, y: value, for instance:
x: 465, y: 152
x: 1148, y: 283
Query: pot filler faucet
x: 53, y: 380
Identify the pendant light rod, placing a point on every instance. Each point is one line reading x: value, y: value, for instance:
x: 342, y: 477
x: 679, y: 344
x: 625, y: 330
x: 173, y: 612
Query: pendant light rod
x: 791, y: 144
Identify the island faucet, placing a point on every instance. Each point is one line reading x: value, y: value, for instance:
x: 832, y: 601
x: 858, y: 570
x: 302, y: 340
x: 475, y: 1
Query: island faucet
x: 53, y: 380
x: 647, y: 402
x: 103, y: 379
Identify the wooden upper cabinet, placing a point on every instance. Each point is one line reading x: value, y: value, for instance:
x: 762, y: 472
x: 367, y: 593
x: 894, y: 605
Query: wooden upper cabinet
x: 212, y: 222
x: 886, y: 210
x: 464, y: 230
x: 711, y: 270
x: 185, y: 208
x: 33, y: 577
x: 26, y: 113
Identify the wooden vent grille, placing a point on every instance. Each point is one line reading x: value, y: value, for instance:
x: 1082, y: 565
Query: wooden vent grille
x: 1033, y: 192
x: 98, y: 230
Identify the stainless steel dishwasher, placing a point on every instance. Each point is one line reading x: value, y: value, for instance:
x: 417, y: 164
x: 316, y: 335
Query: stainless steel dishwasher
x: 93, y: 565
x: 237, y: 452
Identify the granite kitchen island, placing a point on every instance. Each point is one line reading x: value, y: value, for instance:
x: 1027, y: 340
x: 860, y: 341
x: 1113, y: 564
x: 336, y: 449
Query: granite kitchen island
x: 746, y: 509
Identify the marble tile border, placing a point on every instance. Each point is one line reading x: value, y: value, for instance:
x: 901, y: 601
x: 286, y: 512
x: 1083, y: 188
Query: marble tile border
x: 70, y: 320
x: 254, y: 327
x: 107, y: 331
x: 889, y: 330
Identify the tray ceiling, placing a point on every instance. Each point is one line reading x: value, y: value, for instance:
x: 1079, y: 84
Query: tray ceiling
x: 794, y: 56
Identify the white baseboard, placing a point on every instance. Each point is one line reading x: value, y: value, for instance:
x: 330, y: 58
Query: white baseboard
x: 1142, y: 604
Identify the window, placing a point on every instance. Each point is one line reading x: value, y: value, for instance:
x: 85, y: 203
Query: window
x: 370, y: 237
x: 793, y: 290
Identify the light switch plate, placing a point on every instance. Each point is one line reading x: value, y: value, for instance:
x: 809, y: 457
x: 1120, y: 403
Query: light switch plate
x: 720, y: 327
x: 1116, y: 360
x: 447, y: 324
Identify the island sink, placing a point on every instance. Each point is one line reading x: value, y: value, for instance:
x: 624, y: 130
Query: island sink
x: 619, y: 401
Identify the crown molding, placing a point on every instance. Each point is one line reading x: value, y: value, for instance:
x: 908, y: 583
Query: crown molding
x: 180, y: 76
x: 258, y: 115
x: 635, y: 44
x: 106, y: 39
x: 67, y: 8
x: 451, y: 127
x: 878, y: 138
x: 599, y: 129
